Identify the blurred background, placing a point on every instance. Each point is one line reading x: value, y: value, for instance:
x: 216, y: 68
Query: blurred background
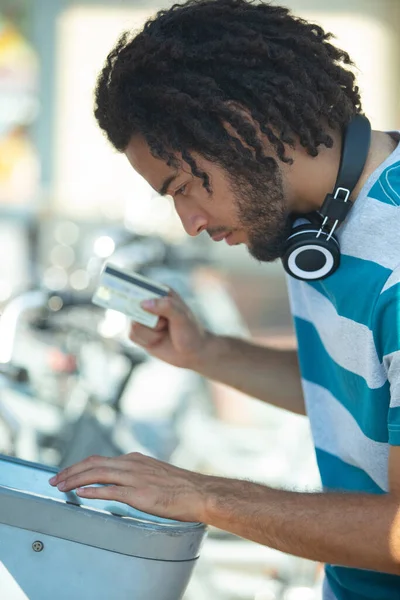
x: 71, y: 384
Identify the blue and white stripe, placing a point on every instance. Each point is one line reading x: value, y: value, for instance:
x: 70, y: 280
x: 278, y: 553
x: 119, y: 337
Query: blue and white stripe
x: 348, y: 330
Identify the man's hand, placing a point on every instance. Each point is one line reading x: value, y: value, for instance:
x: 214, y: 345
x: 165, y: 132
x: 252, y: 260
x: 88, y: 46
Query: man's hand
x: 178, y: 339
x: 350, y: 529
x: 142, y: 482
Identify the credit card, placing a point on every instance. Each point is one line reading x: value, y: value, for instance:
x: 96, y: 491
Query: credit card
x: 123, y: 291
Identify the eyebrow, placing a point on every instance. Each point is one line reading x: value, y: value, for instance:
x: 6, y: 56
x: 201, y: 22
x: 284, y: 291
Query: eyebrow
x: 167, y: 182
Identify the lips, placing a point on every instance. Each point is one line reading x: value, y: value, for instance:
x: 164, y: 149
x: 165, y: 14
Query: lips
x: 219, y: 237
x: 230, y: 239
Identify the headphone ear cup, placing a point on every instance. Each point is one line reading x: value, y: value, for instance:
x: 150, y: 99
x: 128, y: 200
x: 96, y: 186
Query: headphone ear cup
x: 308, y: 257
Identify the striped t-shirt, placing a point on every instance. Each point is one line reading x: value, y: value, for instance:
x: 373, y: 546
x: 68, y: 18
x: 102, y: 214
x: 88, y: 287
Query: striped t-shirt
x: 348, y: 331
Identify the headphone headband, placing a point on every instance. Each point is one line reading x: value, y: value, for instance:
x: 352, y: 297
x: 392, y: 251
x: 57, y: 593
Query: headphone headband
x: 312, y: 252
x: 356, y: 141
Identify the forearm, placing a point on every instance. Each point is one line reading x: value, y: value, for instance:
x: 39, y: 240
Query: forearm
x: 265, y: 373
x: 354, y: 530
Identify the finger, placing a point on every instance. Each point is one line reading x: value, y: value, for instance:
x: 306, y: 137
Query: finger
x: 139, y: 329
x: 136, y: 456
x: 149, y: 343
x: 111, y: 492
x: 144, y: 336
x: 88, y: 463
x: 77, y: 468
x: 162, y: 324
x: 106, y: 475
x: 142, y: 333
x: 170, y: 307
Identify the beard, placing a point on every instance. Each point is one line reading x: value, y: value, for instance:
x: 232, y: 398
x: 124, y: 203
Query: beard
x: 262, y: 211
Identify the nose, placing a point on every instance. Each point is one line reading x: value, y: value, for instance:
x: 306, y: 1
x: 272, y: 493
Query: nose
x: 193, y: 224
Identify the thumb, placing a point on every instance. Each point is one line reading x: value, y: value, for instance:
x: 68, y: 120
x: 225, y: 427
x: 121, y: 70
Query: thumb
x: 170, y: 307
x: 151, y: 305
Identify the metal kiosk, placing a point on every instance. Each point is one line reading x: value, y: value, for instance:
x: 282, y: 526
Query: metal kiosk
x: 57, y: 545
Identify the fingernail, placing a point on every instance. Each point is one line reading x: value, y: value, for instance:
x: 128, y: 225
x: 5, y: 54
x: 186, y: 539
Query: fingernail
x: 53, y: 480
x: 148, y: 303
x: 62, y: 486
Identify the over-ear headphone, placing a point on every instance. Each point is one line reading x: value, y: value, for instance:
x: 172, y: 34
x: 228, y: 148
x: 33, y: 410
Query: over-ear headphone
x: 312, y: 250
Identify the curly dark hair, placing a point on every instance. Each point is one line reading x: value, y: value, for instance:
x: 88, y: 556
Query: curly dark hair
x: 184, y: 80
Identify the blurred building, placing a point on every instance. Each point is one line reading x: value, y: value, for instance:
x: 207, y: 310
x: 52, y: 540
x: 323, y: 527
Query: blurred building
x: 66, y: 166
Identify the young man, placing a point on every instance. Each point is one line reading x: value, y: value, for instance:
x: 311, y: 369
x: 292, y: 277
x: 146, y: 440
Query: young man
x: 237, y: 110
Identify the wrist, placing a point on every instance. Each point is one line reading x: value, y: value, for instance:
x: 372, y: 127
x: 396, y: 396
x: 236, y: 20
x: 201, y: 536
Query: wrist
x: 223, y: 499
x: 227, y: 502
x: 214, y: 491
x: 210, y: 354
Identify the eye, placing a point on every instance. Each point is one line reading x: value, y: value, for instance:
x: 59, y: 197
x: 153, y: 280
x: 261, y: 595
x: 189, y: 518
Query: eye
x: 181, y: 190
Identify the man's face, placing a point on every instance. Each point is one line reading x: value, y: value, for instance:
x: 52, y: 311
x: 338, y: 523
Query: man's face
x: 240, y: 211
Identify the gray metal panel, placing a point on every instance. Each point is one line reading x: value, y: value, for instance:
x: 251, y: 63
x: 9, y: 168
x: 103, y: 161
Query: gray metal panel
x: 64, y: 570
x: 124, y: 535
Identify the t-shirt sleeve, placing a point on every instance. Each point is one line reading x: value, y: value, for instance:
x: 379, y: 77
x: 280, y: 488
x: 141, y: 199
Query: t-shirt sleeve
x: 387, y: 341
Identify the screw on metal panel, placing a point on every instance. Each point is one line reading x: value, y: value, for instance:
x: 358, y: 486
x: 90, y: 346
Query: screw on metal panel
x: 37, y: 546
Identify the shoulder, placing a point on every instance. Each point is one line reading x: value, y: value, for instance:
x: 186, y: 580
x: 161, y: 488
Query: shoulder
x: 386, y: 188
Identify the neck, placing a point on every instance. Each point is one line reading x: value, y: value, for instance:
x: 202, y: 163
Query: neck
x: 309, y: 178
